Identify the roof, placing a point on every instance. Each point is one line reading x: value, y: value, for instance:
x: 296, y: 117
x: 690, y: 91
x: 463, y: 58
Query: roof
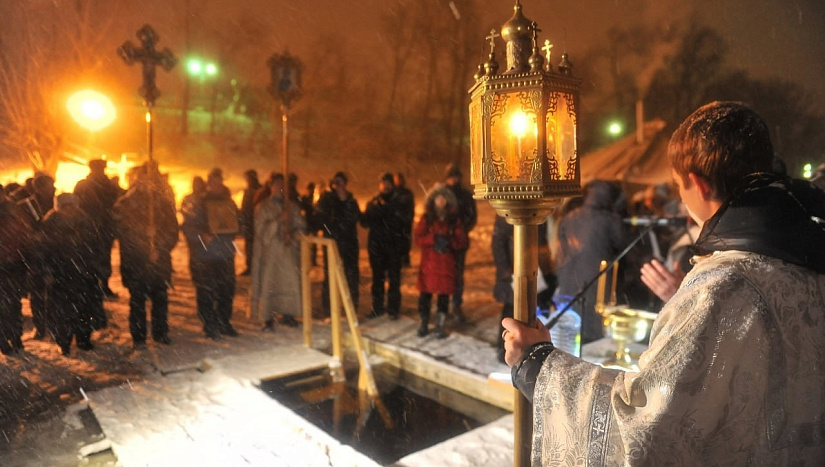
x: 630, y: 162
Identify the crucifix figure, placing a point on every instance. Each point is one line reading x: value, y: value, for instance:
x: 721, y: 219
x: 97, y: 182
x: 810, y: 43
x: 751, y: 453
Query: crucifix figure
x: 492, y: 39
x: 547, y: 50
x: 150, y: 58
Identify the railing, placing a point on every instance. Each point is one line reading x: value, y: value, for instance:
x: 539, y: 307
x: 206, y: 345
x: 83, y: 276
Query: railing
x: 338, y: 295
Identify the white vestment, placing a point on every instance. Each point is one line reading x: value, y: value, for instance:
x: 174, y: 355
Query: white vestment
x: 734, y: 375
x: 276, y: 265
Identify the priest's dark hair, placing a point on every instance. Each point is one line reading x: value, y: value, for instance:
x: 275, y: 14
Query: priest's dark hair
x: 723, y: 142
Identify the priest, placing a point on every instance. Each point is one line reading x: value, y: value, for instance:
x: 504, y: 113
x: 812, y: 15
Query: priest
x: 733, y: 374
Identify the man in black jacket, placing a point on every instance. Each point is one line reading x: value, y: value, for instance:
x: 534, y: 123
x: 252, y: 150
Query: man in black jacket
x: 96, y: 196
x: 384, y: 217
x: 35, y: 208
x: 147, y: 229
x: 15, y: 243
x: 337, y: 214
x: 247, y: 216
x: 69, y: 240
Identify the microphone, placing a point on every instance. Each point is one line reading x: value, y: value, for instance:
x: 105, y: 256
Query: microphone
x: 657, y: 221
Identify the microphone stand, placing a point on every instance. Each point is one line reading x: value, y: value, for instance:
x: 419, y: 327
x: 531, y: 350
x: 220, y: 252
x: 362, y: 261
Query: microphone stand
x: 592, y: 281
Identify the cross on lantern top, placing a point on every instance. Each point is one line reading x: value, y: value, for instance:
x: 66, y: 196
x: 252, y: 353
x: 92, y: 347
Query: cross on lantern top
x: 492, y: 39
x: 150, y: 58
x: 547, y: 49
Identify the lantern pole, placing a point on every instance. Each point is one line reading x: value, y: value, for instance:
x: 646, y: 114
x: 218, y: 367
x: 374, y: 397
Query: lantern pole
x: 285, y: 85
x: 525, y: 284
x: 524, y: 162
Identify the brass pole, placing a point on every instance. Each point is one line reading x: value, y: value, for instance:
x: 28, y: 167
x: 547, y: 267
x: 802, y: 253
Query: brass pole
x: 525, y: 267
x: 284, y: 149
x: 149, y: 132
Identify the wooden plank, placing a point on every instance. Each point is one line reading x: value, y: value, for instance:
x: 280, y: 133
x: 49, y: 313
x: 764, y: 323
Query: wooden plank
x: 306, y: 292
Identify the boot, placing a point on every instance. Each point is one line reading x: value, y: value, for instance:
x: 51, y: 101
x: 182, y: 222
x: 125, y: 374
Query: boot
x: 440, y: 319
x: 425, y: 321
x: 459, y: 314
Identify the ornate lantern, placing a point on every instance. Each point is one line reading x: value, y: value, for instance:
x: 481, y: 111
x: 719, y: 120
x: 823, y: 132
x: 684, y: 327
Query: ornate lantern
x: 523, y: 125
x: 523, y: 158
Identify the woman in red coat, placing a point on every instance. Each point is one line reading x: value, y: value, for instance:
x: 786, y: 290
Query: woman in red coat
x: 439, y: 234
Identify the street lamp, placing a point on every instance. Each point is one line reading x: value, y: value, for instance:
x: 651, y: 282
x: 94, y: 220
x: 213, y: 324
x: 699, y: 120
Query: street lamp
x: 524, y: 161
x: 202, y: 70
x: 614, y: 129
x: 91, y: 110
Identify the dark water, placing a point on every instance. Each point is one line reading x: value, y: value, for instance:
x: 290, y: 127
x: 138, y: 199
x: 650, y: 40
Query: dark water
x: 418, y: 414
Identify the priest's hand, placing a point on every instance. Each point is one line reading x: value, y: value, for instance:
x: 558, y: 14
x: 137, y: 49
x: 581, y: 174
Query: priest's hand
x: 519, y: 337
x: 660, y: 281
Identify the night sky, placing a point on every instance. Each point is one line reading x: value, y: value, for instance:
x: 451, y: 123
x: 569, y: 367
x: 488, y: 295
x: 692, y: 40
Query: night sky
x: 768, y: 38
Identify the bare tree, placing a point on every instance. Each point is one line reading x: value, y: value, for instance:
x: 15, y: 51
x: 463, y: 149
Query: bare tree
x: 53, y: 43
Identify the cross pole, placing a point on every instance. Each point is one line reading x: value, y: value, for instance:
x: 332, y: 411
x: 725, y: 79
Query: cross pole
x: 150, y: 58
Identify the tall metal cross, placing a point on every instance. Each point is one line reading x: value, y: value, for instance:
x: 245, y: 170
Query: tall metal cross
x: 150, y: 58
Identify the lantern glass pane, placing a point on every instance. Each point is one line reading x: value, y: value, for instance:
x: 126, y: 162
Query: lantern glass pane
x: 476, y: 143
x: 513, y: 137
x: 561, y: 137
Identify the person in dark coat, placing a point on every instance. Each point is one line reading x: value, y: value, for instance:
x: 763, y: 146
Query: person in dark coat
x: 97, y: 195
x: 15, y: 243
x: 307, y: 204
x: 468, y: 215
x: 69, y: 243
x: 147, y: 230
x: 209, y: 231
x: 588, y: 235
x: 247, y: 214
x: 384, y: 217
x: 440, y: 235
x: 408, y: 203
x: 502, y: 246
x: 337, y: 214
x: 35, y: 208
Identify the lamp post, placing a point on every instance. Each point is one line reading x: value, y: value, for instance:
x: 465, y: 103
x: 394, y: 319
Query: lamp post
x: 523, y: 158
x: 202, y: 70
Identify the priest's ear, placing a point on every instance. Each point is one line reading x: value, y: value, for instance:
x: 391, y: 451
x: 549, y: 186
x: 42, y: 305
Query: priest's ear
x: 702, y: 185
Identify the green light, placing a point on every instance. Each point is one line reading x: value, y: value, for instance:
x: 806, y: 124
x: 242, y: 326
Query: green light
x: 194, y: 66
x: 615, y: 128
x: 807, y: 170
x: 211, y: 69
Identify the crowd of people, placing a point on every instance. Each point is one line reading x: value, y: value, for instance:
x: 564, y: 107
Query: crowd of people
x: 56, y: 251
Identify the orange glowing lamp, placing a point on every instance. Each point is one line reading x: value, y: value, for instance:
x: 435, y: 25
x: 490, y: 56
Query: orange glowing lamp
x: 91, y: 110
